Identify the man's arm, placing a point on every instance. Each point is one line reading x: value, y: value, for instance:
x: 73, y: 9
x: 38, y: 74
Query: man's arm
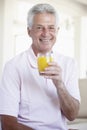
x: 10, y: 123
x: 68, y: 105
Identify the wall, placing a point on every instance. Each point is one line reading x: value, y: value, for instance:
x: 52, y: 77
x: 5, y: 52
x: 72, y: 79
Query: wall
x: 8, y: 41
x: 1, y: 32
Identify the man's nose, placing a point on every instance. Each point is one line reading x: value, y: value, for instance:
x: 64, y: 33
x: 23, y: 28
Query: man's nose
x: 45, y: 31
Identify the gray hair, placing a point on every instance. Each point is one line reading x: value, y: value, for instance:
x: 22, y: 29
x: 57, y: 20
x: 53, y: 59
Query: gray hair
x: 40, y: 8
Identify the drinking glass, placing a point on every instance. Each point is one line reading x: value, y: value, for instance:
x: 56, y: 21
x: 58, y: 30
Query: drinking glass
x: 43, y: 59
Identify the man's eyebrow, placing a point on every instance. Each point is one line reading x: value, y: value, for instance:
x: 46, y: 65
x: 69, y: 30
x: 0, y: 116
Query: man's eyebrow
x: 38, y: 25
x: 43, y: 25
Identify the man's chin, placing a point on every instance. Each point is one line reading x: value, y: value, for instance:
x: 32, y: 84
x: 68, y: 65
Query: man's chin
x: 46, y: 50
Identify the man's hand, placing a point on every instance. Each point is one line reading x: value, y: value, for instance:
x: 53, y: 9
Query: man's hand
x: 54, y: 72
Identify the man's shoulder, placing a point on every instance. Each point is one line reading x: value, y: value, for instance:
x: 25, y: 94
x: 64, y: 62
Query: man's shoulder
x: 62, y: 57
x: 17, y: 60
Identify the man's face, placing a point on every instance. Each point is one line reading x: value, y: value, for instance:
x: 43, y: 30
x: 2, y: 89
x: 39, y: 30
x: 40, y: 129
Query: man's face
x: 43, y: 32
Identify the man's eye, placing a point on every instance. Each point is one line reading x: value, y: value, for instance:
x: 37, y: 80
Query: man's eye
x: 39, y: 28
x: 52, y: 28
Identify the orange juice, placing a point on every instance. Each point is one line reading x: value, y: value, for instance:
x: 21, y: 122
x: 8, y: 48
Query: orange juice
x: 42, y: 62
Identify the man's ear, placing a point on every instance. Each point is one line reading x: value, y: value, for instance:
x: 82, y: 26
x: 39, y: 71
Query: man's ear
x: 29, y: 31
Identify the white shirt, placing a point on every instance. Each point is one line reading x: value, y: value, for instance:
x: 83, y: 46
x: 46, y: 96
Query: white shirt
x: 32, y: 98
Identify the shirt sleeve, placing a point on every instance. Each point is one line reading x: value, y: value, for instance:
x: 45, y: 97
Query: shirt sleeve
x: 9, y: 91
x: 72, y: 83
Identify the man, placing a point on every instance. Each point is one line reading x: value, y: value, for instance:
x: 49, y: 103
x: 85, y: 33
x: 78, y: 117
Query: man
x: 30, y: 101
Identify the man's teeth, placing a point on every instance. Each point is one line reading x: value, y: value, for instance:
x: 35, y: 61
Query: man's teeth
x: 45, y: 40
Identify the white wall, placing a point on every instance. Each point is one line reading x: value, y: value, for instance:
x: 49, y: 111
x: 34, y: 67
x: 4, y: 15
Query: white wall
x: 8, y: 43
x: 1, y: 32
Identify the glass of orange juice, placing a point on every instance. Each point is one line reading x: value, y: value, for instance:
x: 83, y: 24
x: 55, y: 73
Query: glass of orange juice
x: 43, y: 59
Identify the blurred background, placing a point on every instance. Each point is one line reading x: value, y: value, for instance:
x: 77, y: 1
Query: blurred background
x: 72, y: 37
